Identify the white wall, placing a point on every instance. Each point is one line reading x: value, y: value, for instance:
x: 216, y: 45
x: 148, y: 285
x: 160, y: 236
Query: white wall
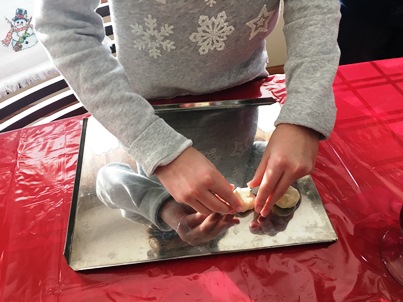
x: 275, y: 44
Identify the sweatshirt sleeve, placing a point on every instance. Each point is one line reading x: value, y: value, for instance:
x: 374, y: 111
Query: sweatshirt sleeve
x: 72, y: 32
x: 138, y: 197
x: 311, y: 28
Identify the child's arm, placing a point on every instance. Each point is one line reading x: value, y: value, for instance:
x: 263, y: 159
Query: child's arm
x: 311, y: 28
x: 73, y: 33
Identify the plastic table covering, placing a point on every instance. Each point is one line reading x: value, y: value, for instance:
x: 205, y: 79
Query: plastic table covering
x: 358, y: 175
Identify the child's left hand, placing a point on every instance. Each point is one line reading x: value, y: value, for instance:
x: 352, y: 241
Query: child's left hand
x: 290, y: 154
x: 193, y: 227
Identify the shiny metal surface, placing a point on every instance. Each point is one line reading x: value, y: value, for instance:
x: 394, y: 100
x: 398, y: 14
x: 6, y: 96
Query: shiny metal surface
x: 254, y: 190
x: 213, y: 105
x: 100, y: 237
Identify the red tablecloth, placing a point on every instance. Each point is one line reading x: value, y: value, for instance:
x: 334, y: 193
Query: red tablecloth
x: 359, y: 174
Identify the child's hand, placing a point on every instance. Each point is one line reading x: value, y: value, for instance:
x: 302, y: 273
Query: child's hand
x: 289, y: 155
x: 193, y: 180
x: 192, y: 227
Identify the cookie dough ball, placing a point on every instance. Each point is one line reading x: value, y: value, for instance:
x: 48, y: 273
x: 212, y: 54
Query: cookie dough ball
x: 246, y: 198
x: 289, y: 199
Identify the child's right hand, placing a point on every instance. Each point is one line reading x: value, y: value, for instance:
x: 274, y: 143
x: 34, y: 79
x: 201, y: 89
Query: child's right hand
x: 193, y: 180
x: 192, y: 227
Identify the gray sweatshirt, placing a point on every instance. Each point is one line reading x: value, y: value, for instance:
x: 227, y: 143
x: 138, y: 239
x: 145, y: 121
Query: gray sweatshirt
x: 167, y: 48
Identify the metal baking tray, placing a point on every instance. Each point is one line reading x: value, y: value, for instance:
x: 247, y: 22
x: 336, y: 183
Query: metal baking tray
x: 99, y: 236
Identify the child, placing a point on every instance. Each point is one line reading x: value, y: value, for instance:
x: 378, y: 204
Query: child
x: 167, y: 48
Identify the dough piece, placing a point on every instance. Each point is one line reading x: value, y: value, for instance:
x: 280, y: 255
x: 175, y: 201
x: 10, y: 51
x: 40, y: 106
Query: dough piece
x: 246, y: 197
x: 288, y: 200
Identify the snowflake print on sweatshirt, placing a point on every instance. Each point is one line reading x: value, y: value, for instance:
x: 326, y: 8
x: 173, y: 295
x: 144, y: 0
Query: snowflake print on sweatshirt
x: 210, y: 2
x: 213, y: 156
x: 152, y: 39
x: 212, y: 33
x: 160, y: 1
x: 260, y: 23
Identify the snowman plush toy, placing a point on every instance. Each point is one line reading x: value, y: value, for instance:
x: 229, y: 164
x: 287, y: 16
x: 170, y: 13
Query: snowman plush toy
x: 21, y: 35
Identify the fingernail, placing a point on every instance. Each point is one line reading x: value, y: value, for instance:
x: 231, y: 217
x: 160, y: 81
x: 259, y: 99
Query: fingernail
x: 239, y: 209
x: 253, y: 225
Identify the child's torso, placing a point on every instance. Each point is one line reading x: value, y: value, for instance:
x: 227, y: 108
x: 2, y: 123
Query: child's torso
x: 171, y: 47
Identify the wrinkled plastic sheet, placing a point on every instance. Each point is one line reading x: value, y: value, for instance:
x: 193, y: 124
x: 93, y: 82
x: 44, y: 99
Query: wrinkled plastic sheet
x: 358, y: 175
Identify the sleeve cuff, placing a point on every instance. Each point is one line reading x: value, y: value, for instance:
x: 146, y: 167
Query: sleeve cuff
x: 157, y: 146
x: 318, y: 119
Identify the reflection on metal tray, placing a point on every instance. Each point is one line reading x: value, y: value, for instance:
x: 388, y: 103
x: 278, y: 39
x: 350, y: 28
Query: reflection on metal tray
x: 233, y: 137
x: 213, y: 105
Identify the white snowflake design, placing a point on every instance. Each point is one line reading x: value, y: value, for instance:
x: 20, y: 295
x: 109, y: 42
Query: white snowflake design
x: 210, y: 2
x: 160, y: 1
x: 213, y: 156
x: 212, y: 33
x: 149, y: 38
